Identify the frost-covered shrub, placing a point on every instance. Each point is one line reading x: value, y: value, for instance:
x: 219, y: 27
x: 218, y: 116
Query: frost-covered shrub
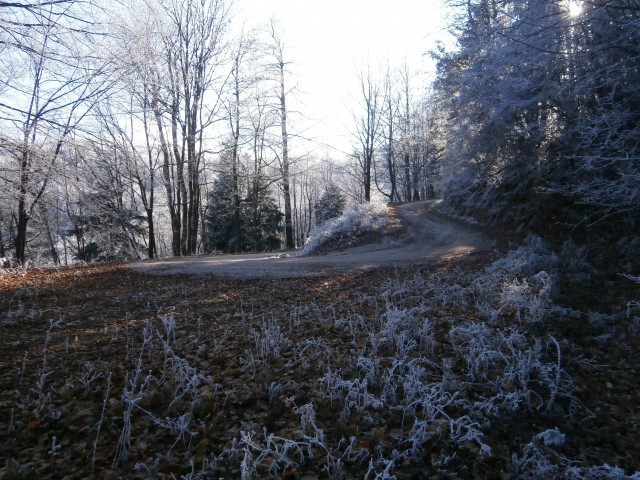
x: 533, y: 463
x: 529, y: 299
x: 405, y: 330
x: 527, y: 260
x: 523, y: 282
x: 536, y: 256
x: 356, y: 220
x: 573, y: 261
x: 540, y: 460
x: 475, y: 343
x: 268, y: 344
x: 5, y: 262
x: 518, y: 368
x: 271, y: 454
x: 354, y: 395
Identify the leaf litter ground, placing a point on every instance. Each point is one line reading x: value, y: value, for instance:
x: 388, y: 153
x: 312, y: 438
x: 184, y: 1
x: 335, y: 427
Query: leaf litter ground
x: 107, y: 373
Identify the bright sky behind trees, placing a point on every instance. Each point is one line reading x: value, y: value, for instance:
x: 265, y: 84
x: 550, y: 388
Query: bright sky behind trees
x: 328, y: 41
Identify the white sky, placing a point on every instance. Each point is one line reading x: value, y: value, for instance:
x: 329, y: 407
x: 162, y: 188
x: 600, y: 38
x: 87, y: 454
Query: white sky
x: 327, y: 40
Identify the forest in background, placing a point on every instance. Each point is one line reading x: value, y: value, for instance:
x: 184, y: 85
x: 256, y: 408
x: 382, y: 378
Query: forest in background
x: 155, y: 129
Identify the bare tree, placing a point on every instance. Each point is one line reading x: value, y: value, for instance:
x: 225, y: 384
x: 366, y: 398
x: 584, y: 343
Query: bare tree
x: 278, y: 51
x: 137, y: 162
x: 240, y: 81
x: 177, y: 57
x: 194, y: 47
x: 21, y: 20
x: 56, y: 78
x: 389, y: 113
x: 368, y: 124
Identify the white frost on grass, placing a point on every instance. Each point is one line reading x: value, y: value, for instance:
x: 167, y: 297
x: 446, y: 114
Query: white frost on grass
x: 356, y: 220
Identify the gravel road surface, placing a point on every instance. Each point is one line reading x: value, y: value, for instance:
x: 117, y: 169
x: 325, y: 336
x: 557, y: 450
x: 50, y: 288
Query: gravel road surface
x: 428, y: 236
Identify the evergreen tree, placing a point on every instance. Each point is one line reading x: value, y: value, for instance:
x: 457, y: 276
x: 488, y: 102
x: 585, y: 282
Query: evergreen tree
x: 106, y: 229
x: 263, y: 220
x: 330, y: 205
x: 219, y: 228
x: 260, y: 219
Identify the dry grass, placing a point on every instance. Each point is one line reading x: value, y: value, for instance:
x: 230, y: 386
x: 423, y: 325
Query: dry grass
x: 62, y: 410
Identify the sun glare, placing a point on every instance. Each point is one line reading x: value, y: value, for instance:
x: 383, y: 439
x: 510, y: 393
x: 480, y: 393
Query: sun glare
x: 574, y: 7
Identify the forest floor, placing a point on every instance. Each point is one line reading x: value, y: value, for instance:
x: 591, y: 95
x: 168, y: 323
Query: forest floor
x: 108, y: 372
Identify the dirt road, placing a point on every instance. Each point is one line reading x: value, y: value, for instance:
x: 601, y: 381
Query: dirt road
x: 428, y: 236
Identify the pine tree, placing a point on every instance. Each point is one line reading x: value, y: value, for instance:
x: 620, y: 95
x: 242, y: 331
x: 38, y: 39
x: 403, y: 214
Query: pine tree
x: 330, y: 205
x: 260, y: 219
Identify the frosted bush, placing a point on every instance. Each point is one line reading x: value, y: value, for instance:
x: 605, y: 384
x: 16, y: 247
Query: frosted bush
x: 169, y: 323
x: 330, y: 204
x: 540, y: 461
x: 276, y: 453
x: 356, y: 219
x: 608, y: 472
x: 521, y: 282
x: 513, y: 364
x: 89, y: 374
x: 450, y: 288
x: 528, y: 259
x: 380, y: 469
x: 354, y: 323
x: 475, y: 343
x: 553, y: 436
x: 186, y: 380
x: 308, y: 422
x: 528, y: 298
x: 132, y: 395
x: 268, y: 345
x: 404, y: 330
x: 464, y: 429
x: 12, y: 317
x: 573, y: 262
x: 315, y: 353
x: 354, y: 395
x: 370, y: 368
x: 5, y: 263
x: 533, y: 464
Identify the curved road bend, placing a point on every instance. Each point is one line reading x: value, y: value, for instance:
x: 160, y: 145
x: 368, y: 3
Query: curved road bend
x: 428, y: 236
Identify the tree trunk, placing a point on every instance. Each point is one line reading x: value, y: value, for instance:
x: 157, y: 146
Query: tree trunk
x: 367, y: 179
x: 367, y: 130
x: 174, y: 213
x: 237, y: 221
x: 390, y: 132
x: 148, y: 202
x: 52, y: 245
x: 288, y: 221
x: 23, y: 216
x: 181, y: 188
x: 21, y: 233
x: 193, y: 171
x: 235, y: 128
x: 151, y: 250
x: 2, y: 253
x: 407, y: 176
